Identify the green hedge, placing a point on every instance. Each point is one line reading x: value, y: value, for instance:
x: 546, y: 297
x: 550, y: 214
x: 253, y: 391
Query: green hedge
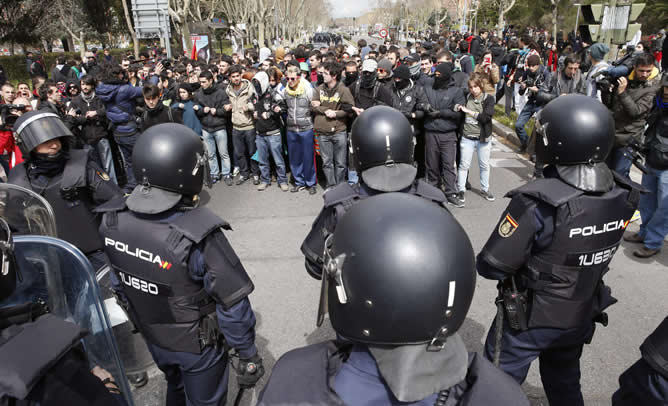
x: 15, y: 65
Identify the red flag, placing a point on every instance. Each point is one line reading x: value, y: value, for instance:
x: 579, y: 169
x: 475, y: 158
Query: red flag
x: 193, y: 55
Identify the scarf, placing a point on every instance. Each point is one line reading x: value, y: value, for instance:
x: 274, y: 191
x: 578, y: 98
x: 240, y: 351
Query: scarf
x: 298, y: 91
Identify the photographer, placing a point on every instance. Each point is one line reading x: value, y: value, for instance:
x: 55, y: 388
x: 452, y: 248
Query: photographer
x: 534, y: 79
x: 568, y: 81
x: 654, y: 205
x: 630, y: 103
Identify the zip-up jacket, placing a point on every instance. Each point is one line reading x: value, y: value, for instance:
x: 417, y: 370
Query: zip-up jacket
x: 212, y: 97
x: 338, y: 99
x: 298, y: 106
x: 444, y: 119
x: 242, y: 119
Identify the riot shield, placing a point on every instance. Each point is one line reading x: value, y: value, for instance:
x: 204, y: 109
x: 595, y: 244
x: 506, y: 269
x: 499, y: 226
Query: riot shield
x: 57, y: 273
x: 29, y: 213
x: 26, y: 212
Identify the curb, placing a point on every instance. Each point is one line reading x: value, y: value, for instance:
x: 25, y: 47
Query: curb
x: 505, y: 132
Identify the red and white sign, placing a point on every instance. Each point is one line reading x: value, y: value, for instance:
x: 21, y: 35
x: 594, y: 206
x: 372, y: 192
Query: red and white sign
x: 383, y: 32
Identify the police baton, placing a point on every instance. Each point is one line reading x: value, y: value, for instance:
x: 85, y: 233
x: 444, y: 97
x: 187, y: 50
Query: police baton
x: 240, y: 395
x: 498, y: 332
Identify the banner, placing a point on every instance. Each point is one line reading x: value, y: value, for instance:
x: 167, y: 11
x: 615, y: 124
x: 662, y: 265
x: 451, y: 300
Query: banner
x: 200, y: 45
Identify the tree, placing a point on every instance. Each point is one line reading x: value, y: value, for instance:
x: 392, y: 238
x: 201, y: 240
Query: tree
x: 179, y: 10
x: 72, y: 17
x: 128, y: 21
x: 18, y: 19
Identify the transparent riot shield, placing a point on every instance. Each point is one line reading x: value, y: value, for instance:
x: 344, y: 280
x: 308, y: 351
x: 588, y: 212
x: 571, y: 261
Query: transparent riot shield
x: 57, y: 273
x: 26, y: 212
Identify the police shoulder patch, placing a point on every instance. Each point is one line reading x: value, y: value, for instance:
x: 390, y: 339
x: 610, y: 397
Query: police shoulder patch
x: 507, y: 226
x: 103, y: 176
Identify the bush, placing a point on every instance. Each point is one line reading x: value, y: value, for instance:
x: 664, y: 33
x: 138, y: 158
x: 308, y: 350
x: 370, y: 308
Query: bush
x: 15, y: 65
x: 509, y: 121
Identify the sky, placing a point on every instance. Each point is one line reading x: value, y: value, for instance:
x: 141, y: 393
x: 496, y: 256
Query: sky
x: 349, y: 8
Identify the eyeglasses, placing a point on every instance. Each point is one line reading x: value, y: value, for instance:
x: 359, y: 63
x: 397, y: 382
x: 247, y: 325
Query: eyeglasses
x: 291, y: 79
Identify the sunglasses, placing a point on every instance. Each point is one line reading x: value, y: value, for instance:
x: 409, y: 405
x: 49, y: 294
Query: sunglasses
x: 291, y: 79
x: 382, y: 71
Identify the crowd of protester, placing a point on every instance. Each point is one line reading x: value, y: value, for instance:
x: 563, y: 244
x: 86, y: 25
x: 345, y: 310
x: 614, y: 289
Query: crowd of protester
x: 285, y: 115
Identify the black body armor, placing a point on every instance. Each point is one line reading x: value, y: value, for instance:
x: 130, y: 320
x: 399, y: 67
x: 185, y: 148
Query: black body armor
x: 68, y: 195
x: 150, y: 259
x: 565, y: 278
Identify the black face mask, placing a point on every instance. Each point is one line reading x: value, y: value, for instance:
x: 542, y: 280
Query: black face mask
x: 402, y: 84
x: 368, y: 80
x: 350, y: 78
x: 49, y: 165
x: 440, y: 82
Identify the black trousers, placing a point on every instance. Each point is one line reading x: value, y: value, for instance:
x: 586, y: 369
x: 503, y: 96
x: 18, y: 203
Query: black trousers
x: 244, y: 148
x: 441, y: 152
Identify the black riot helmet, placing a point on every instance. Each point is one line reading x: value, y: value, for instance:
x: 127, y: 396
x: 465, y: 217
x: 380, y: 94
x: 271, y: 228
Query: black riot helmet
x: 36, y: 127
x: 8, y: 268
x: 382, y: 146
x: 574, y: 129
x: 169, y: 162
x: 397, y: 279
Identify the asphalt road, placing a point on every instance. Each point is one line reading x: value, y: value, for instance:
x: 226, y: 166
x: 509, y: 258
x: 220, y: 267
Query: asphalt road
x: 269, y: 227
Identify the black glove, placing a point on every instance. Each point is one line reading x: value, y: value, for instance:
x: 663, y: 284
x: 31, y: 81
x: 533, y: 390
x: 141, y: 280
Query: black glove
x: 434, y: 114
x: 249, y: 371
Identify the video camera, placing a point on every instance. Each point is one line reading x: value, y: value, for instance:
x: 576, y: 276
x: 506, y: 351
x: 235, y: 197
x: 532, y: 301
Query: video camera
x: 606, y: 80
x: 636, y: 152
x: 7, y: 119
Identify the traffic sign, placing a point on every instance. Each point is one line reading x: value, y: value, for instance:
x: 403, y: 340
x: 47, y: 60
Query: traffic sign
x: 383, y: 32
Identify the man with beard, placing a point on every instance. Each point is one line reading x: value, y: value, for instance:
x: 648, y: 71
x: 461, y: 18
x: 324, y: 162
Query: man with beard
x: 441, y: 138
x: 89, y: 114
x: 155, y: 112
x: 50, y: 99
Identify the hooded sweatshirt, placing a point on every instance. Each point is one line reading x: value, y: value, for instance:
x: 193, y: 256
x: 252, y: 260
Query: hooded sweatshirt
x: 264, y: 102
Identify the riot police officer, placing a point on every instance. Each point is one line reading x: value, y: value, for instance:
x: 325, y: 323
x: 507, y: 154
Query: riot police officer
x: 553, y: 245
x: 179, y: 279
x: 646, y: 381
x: 41, y: 361
x: 67, y: 178
x: 382, y: 145
x: 397, y: 289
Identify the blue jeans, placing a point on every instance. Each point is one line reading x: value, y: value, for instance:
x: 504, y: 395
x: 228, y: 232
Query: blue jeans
x: 527, y: 112
x: 333, y: 150
x: 654, y: 208
x: 302, y: 157
x: 270, y: 145
x: 621, y: 163
x: 212, y: 141
x: 466, y: 147
x: 126, y: 144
